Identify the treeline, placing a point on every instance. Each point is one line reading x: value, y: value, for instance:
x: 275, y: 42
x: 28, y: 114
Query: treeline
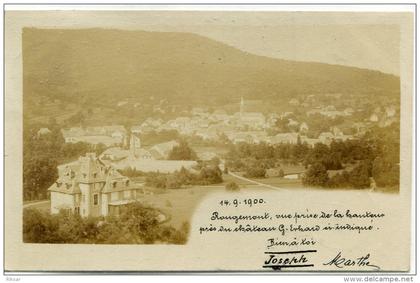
x: 137, y: 224
x: 316, y: 124
x: 359, y: 177
x: 41, y: 156
x: 207, y: 175
x: 182, y: 151
x: 376, y: 155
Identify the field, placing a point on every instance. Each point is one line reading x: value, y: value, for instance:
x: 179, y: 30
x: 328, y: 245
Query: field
x: 179, y: 204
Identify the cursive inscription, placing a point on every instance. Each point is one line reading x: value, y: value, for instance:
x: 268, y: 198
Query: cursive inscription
x: 279, y: 260
x: 340, y: 261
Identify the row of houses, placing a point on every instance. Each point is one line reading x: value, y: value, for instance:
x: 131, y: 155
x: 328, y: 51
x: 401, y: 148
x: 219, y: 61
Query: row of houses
x: 107, y: 135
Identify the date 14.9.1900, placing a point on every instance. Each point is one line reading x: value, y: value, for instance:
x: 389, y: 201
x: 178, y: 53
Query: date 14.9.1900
x: 242, y: 202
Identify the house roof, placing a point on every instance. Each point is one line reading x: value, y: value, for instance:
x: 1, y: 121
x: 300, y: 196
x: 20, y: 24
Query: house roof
x: 164, y: 148
x: 87, y: 169
x: 43, y: 131
x: 92, y: 131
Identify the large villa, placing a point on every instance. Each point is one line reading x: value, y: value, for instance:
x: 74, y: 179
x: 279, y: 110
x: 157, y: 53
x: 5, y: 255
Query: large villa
x: 90, y: 188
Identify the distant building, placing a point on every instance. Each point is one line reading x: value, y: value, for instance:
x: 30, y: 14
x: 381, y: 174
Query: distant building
x: 374, y: 118
x: 274, y: 172
x: 162, y: 150
x: 43, y: 131
x: 114, y: 154
x: 162, y: 166
x: 286, y: 138
x: 303, y: 127
x: 326, y: 137
x: 294, y: 102
x: 247, y: 136
x: 309, y: 141
x: 198, y: 111
x: 136, y: 129
x: 348, y: 111
x: 107, y: 135
x: 390, y: 111
x: 90, y: 188
x: 336, y: 131
x: 292, y: 176
x: 121, y: 103
x: 292, y: 123
x: 253, y: 119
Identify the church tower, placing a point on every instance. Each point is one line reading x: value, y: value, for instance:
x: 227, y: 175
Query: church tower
x: 134, y: 144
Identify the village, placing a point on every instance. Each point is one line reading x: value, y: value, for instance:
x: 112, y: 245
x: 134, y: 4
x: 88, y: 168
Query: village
x: 95, y: 185
x: 241, y: 126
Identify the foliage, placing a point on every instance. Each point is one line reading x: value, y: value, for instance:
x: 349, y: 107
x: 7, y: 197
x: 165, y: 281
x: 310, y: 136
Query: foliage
x: 137, y: 224
x: 232, y: 186
x: 375, y: 155
x: 206, y: 176
x: 359, y: 177
x: 316, y: 175
x: 340, y: 180
x: 182, y: 152
x: 43, y: 153
x: 255, y: 172
x: 385, y: 172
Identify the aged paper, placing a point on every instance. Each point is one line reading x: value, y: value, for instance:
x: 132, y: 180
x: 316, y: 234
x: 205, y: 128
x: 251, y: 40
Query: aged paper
x: 208, y: 141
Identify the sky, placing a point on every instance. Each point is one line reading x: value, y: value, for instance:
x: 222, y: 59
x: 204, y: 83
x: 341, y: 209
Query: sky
x: 364, y: 40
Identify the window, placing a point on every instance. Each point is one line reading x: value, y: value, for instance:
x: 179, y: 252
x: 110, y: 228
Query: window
x: 95, y: 199
x: 94, y: 175
x: 127, y: 183
x: 77, y: 210
x: 114, y: 184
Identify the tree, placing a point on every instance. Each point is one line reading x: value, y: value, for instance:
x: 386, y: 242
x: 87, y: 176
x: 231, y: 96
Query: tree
x: 172, y: 182
x: 210, y: 175
x: 385, y: 173
x: 255, y: 172
x: 182, y: 152
x: 136, y: 224
x: 340, y: 180
x: 316, y: 175
x: 232, y: 186
x: 332, y: 161
x: 359, y: 177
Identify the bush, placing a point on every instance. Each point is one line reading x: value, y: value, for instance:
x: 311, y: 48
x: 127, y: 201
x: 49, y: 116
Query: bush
x: 359, y: 177
x: 136, y: 224
x: 252, y: 172
x: 232, y: 186
x: 385, y: 173
x: 182, y: 152
x: 340, y: 180
x: 316, y: 175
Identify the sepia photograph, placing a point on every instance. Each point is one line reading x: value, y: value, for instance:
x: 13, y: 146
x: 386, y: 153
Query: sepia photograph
x: 131, y: 119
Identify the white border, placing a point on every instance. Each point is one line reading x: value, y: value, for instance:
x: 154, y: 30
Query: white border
x: 165, y: 6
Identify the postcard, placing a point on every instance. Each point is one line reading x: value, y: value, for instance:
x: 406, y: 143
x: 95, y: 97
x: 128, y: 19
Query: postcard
x: 168, y: 139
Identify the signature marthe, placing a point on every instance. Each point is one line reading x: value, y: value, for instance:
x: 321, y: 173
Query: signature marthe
x: 340, y: 261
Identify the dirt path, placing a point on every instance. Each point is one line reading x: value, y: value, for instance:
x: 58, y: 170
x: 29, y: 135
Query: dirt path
x: 255, y: 182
